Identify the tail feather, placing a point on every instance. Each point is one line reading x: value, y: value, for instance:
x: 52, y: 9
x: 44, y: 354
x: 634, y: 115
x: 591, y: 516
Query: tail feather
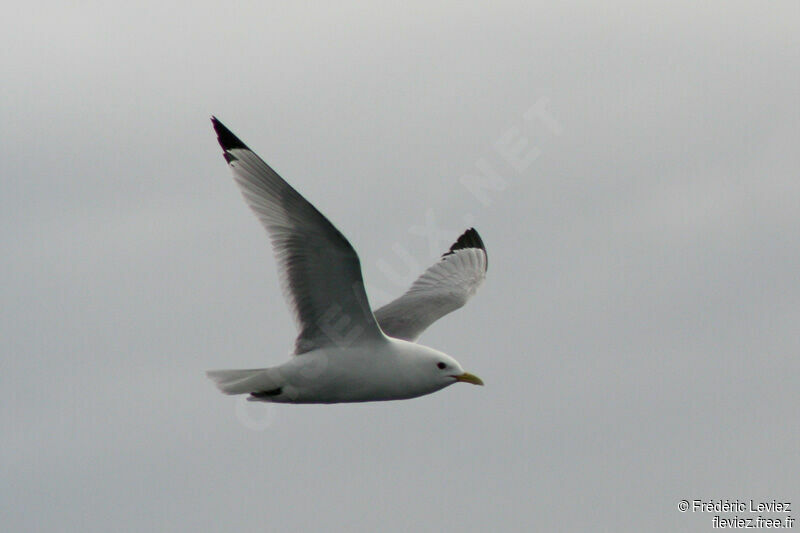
x: 244, y: 381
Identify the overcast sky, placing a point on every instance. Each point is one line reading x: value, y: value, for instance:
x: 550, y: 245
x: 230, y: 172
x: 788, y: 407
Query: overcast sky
x: 634, y: 171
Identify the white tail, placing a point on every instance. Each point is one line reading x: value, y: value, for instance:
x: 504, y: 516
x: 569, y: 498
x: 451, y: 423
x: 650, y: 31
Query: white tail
x: 244, y: 381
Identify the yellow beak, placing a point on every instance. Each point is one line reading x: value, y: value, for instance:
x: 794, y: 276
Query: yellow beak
x: 466, y: 377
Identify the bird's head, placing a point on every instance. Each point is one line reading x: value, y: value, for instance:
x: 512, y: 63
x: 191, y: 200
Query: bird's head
x: 444, y: 370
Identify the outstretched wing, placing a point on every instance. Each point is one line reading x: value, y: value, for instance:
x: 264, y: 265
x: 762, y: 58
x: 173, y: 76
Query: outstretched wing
x: 319, y: 270
x: 440, y: 290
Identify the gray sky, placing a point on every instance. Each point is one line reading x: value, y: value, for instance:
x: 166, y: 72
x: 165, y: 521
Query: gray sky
x: 638, y: 330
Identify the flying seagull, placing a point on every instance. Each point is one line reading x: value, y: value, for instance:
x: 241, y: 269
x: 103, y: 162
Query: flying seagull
x: 345, y: 352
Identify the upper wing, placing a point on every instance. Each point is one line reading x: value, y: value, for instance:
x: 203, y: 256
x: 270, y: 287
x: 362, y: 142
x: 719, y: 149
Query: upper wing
x: 319, y: 270
x: 441, y: 289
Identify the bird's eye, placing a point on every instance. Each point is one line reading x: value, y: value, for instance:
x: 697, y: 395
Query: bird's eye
x: 442, y: 366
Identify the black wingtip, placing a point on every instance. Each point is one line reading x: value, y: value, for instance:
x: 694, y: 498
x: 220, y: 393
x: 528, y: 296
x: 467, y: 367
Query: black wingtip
x: 227, y: 140
x: 468, y: 239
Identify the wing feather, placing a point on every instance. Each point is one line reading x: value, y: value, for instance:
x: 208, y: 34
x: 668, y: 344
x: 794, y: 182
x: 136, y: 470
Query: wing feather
x: 441, y: 289
x: 320, y: 271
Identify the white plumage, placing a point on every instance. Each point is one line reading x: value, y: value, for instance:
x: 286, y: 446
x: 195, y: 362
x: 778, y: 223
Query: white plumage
x: 345, y: 352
